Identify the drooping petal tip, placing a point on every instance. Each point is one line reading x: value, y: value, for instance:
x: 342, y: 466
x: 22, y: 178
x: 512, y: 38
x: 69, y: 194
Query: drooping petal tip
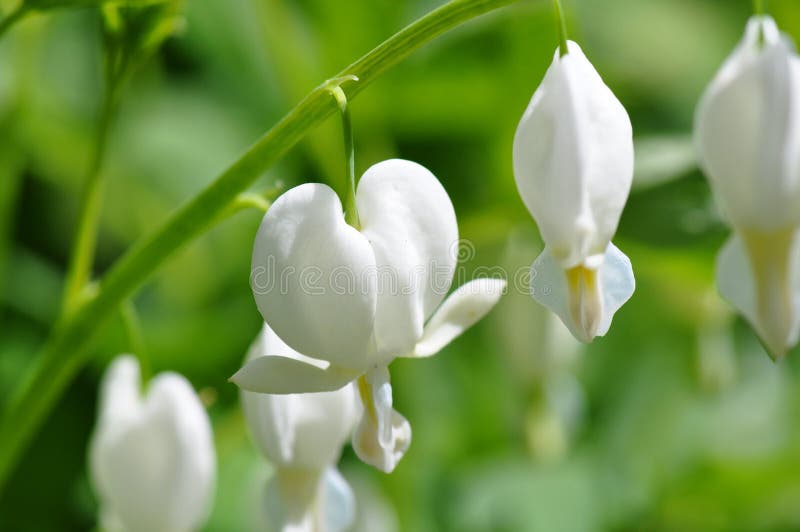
x: 462, y: 309
x: 585, y: 300
x: 383, y: 435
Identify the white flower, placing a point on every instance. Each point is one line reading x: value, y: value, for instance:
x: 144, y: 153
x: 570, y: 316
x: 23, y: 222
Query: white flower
x: 151, y: 458
x: 358, y: 298
x: 303, y: 436
x: 573, y: 164
x: 747, y: 131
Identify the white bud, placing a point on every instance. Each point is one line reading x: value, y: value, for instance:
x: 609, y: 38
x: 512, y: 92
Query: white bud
x: 152, y: 458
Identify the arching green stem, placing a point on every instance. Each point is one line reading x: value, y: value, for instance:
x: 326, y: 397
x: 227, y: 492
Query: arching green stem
x: 759, y: 7
x: 80, y: 266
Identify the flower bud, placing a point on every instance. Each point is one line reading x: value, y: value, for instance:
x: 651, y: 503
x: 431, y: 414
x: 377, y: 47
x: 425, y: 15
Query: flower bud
x: 573, y: 164
x: 747, y: 131
x: 151, y: 458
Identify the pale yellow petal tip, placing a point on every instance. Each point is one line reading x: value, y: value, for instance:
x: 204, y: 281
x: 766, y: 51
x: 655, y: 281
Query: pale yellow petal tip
x: 585, y: 302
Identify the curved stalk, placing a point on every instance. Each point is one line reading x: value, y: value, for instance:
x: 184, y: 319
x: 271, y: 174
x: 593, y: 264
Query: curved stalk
x: 12, y: 18
x: 79, y: 270
x: 68, y: 348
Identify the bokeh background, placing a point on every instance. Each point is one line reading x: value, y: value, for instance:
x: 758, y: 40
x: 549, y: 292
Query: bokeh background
x: 677, y: 420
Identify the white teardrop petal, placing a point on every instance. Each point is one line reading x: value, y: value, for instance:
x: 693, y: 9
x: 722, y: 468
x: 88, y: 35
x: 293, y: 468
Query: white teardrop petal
x: 573, y: 159
x: 747, y: 131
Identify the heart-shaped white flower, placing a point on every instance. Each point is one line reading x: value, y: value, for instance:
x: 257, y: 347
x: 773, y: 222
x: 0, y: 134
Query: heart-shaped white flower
x: 358, y: 298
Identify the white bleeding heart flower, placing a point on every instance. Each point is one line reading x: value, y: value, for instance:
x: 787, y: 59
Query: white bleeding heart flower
x: 573, y: 164
x: 303, y: 436
x: 747, y: 132
x: 152, y: 458
x: 356, y: 298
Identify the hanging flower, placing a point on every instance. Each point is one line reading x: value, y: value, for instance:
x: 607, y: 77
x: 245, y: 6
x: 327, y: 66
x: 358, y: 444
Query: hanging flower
x: 356, y: 298
x: 302, y: 435
x: 747, y: 131
x: 151, y: 458
x: 573, y: 164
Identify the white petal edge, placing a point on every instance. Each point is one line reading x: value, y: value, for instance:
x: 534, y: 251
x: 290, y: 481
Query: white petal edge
x: 460, y: 311
x: 383, y: 435
x: 617, y: 284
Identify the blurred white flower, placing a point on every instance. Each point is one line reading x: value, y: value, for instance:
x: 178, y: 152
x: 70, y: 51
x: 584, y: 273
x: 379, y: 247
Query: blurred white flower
x: 573, y: 164
x: 151, y: 458
x: 358, y: 298
x: 302, y: 435
x: 747, y: 131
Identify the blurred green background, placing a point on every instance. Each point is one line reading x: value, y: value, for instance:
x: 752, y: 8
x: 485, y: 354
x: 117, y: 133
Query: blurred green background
x: 675, y: 421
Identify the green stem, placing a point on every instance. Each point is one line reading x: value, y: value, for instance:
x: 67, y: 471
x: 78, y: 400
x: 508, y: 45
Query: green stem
x: 562, y: 28
x: 80, y: 266
x: 136, y: 343
x: 69, y: 346
x: 12, y: 18
x: 759, y: 7
x: 350, y: 209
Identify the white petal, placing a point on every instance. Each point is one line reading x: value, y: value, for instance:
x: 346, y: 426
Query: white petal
x: 616, y: 285
x: 282, y: 375
x: 313, y: 277
x: 468, y: 304
x: 383, y: 435
x: 153, y: 470
x: 120, y: 392
x: 193, y: 482
x: 309, y: 501
x: 339, y: 502
x: 291, y: 501
x: 777, y: 322
x: 409, y: 220
x: 747, y: 131
x: 305, y: 431
x: 573, y: 159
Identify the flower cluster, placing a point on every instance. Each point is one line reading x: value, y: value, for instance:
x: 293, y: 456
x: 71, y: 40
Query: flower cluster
x: 317, y: 375
x: 408, y: 229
